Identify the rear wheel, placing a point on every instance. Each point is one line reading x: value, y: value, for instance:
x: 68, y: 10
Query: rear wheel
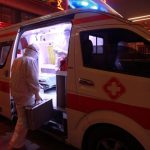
x: 110, y: 144
x: 110, y: 138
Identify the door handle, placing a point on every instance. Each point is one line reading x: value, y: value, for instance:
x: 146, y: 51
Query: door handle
x: 86, y: 82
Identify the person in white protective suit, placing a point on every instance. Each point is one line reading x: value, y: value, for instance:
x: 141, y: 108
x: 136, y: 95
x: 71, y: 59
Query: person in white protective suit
x: 25, y: 90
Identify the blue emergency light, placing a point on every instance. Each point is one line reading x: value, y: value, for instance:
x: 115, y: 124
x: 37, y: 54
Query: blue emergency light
x: 87, y: 4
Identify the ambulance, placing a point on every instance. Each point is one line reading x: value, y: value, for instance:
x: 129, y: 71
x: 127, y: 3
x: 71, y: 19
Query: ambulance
x: 95, y: 66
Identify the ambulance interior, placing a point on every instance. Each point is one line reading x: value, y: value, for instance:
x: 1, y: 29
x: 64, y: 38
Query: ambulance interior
x: 53, y: 42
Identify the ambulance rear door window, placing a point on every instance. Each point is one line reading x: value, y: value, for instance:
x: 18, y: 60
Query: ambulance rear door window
x: 4, y: 50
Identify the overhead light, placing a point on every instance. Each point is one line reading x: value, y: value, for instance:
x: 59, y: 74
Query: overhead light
x: 139, y: 18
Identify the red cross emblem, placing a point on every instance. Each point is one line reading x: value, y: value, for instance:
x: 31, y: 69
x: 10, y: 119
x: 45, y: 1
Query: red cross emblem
x: 114, y: 88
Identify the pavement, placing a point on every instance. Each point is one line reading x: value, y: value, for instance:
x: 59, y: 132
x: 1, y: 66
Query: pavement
x: 6, y: 131
x: 35, y: 140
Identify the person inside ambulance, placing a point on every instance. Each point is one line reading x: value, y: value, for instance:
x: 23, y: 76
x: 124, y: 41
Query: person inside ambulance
x: 25, y: 90
x: 122, y: 48
x: 61, y: 49
x: 87, y: 50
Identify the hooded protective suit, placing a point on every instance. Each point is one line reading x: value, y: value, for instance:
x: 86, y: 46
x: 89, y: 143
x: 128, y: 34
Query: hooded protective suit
x: 25, y: 89
x: 24, y: 79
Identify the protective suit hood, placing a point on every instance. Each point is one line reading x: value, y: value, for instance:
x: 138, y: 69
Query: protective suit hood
x: 32, y: 50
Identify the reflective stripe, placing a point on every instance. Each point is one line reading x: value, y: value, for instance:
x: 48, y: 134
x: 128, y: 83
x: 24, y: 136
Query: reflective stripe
x: 87, y: 104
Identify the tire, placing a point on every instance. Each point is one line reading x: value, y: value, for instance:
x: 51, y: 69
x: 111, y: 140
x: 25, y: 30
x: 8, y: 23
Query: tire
x: 109, y: 137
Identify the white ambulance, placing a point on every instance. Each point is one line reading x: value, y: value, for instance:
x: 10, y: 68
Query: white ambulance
x: 95, y: 66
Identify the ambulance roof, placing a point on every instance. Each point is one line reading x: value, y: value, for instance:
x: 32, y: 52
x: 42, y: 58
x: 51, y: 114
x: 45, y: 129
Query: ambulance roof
x: 71, y: 13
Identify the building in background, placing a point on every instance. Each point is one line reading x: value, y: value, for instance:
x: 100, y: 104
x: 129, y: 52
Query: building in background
x: 136, y: 11
x: 14, y: 11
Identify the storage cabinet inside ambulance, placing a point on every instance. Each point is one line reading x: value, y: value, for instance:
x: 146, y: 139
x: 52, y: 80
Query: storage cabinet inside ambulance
x: 53, y: 42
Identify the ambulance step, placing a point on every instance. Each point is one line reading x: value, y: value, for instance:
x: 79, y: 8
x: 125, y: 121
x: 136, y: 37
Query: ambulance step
x: 55, y: 129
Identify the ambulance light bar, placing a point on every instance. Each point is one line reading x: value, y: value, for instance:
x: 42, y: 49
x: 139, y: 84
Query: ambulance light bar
x: 87, y: 4
x: 93, y: 4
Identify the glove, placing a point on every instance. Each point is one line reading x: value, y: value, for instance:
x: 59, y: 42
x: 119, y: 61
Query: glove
x: 38, y: 98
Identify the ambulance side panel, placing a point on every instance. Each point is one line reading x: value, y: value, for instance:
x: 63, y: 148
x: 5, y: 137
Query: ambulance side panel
x: 105, y: 96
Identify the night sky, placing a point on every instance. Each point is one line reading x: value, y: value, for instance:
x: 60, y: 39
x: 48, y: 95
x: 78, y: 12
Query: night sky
x: 131, y: 8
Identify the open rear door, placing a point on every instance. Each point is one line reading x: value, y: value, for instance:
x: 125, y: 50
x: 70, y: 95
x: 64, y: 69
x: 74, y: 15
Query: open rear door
x: 7, y: 37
